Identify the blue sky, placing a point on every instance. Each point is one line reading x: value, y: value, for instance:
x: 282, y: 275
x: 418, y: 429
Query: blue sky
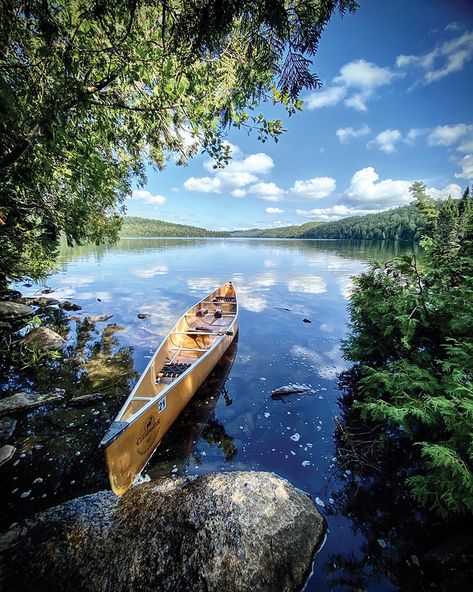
x: 396, y: 107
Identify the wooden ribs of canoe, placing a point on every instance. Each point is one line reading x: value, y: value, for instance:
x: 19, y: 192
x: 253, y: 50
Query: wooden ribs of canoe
x: 179, y: 366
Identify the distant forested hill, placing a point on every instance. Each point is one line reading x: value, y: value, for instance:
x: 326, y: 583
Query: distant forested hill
x: 284, y: 232
x: 402, y: 223
x: 135, y: 226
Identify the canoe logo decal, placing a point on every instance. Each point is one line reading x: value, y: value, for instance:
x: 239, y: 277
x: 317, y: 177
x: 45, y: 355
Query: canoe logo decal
x: 148, y: 435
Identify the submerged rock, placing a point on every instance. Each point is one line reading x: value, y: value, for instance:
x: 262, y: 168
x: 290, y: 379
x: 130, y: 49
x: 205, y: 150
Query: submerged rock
x: 68, y: 305
x: 43, y: 338
x: 41, y: 301
x: 292, y: 389
x: 84, y: 400
x: 97, y: 319
x: 6, y: 453
x: 22, y: 401
x: 240, y: 531
x: 144, y: 315
x: 14, y: 310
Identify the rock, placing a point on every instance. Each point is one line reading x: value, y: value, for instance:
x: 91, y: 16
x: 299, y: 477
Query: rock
x: 84, y: 400
x: 7, y: 427
x: 143, y: 315
x: 43, y: 338
x: 14, y: 310
x: 6, y: 453
x: 41, y: 301
x: 97, y: 319
x: 290, y: 389
x: 22, y: 401
x: 73, y: 318
x: 68, y: 305
x: 240, y: 532
x: 4, y: 326
x: 306, y: 321
x: 9, y: 294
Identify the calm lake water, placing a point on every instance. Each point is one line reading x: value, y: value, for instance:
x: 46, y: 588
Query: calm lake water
x: 233, y: 423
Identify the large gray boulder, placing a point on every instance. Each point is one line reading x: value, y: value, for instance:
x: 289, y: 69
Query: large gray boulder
x: 14, y: 310
x: 232, y: 532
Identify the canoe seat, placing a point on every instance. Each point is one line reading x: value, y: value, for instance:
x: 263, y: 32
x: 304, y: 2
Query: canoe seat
x: 173, y: 370
x: 225, y: 299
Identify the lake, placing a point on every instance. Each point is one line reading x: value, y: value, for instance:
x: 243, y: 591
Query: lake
x: 293, y: 297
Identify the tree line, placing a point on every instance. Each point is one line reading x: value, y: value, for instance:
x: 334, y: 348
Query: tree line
x: 136, y: 226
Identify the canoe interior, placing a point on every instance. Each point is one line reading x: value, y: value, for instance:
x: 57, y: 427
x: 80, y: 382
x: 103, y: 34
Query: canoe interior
x: 179, y: 366
x: 191, y: 337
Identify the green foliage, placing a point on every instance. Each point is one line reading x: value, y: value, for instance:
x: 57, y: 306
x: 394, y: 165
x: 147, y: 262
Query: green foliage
x: 136, y: 226
x: 403, y: 224
x: 283, y: 232
x: 412, y: 334
x: 93, y: 92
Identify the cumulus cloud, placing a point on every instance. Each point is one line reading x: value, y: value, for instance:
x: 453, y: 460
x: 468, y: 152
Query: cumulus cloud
x: 274, y: 211
x: 241, y: 172
x: 346, y: 133
x: 466, y: 164
x: 325, y: 98
x: 316, y: 188
x: 366, y: 190
x: 267, y: 191
x: 453, y: 190
x: 386, y: 140
x: 332, y: 213
x: 446, y: 135
x: 363, y: 75
x: 147, y: 197
x: 442, y: 61
x: 359, y: 77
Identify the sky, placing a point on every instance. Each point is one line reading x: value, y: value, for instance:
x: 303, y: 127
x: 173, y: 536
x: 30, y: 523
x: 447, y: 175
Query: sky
x: 396, y: 107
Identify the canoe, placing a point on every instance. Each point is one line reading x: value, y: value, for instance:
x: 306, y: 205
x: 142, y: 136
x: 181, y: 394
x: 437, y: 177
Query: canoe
x: 179, y: 366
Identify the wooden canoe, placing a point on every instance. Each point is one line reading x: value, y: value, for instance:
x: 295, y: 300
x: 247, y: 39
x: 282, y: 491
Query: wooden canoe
x: 177, y: 369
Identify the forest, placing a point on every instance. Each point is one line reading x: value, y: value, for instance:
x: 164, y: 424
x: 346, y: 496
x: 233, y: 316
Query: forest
x: 136, y: 226
x: 404, y: 224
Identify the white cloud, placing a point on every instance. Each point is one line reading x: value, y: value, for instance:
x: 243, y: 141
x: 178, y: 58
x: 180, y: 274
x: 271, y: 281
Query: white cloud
x: 332, y: 213
x: 274, y: 211
x: 446, y: 135
x: 414, y: 133
x: 442, y: 61
x: 238, y: 174
x: 316, y: 188
x: 365, y: 190
x: 359, y: 76
x: 467, y: 168
x: 386, y: 140
x: 267, y: 191
x: 345, y: 133
x: 203, y: 184
x: 325, y: 98
x: 239, y: 193
x: 453, y: 190
x: 363, y: 75
x: 147, y: 197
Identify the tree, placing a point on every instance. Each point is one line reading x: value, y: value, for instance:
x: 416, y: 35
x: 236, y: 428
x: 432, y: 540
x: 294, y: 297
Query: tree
x: 91, y: 92
x: 412, y: 336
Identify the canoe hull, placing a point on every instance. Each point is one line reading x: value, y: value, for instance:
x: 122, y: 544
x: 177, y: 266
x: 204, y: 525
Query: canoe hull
x: 129, y: 452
